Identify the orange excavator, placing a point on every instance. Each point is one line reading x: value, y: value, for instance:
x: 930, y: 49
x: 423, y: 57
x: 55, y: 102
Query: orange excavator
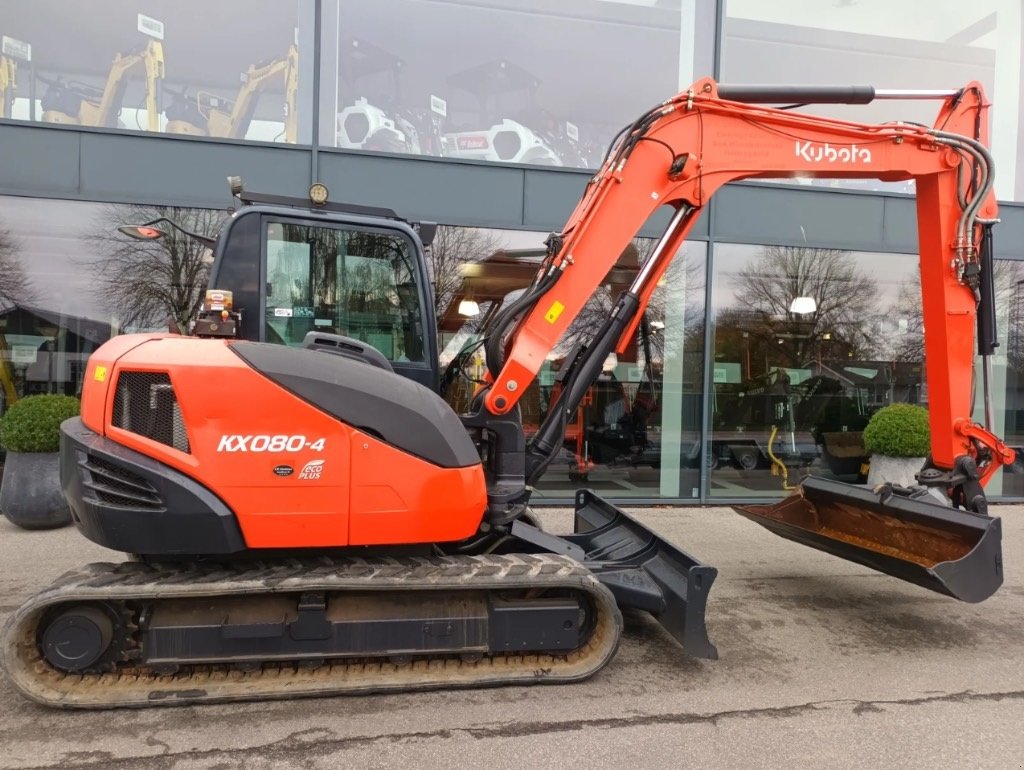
x: 311, y: 518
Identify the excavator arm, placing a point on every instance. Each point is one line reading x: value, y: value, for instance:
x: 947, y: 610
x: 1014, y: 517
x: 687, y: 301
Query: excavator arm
x: 8, y: 83
x: 258, y: 78
x: 678, y: 155
x: 151, y: 60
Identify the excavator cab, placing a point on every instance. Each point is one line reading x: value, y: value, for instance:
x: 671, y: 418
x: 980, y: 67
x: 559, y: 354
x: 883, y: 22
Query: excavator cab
x: 357, y: 272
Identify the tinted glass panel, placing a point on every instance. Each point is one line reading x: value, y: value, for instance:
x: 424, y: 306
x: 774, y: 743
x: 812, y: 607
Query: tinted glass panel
x: 519, y: 82
x: 358, y: 283
x: 808, y: 344
x: 637, y: 431
x: 943, y: 44
x: 69, y: 280
x: 228, y: 70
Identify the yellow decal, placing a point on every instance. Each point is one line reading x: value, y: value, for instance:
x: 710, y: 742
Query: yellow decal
x: 554, y: 311
x: 101, y: 374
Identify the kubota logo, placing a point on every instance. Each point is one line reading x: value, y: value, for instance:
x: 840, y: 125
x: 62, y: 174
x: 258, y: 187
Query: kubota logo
x: 312, y: 469
x: 815, y: 153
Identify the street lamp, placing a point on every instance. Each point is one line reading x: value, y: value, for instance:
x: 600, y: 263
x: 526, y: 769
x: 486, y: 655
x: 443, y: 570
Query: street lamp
x: 469, y: 308
x: 803, y: 305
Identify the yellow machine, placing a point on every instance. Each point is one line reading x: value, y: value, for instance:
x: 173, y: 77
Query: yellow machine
x: 209, y: 115
x: 8, y: 84
x: 8, y: 391
x: 79, y: 104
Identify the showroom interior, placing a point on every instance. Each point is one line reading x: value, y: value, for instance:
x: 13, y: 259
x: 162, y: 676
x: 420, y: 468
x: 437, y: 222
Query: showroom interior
x: 790, y: 315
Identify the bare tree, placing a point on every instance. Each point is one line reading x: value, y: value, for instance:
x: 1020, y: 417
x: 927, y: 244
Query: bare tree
x: 845, y: 298
x: 152, y: 282
x: 451, y: 249
x: 15, y: 286
x: 1008, y: 279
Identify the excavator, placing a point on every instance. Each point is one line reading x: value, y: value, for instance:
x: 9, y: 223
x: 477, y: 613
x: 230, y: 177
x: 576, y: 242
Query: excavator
x: 80, y: 104
x: 208, y: 115
x: 311, y: 518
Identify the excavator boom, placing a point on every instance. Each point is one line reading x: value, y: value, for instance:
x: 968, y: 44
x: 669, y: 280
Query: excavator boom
x: 679, y: 154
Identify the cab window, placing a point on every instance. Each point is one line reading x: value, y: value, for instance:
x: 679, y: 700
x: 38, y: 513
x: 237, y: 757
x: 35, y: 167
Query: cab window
x: 360, y: 283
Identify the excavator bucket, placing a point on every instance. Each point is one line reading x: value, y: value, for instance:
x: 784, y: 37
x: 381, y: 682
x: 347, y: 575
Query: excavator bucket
x: 644, y: 571
x: 943, y: 549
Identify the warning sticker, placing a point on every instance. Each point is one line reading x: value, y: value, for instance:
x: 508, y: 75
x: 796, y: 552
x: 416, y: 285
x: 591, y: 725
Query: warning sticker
x: 554, y: 311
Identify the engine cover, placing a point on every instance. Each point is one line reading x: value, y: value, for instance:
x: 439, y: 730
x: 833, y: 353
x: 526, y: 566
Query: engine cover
x: 304, y: 449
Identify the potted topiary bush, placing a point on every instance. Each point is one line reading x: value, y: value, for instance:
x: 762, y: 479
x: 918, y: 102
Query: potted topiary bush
x: 898, y: 440
x: 30, y: 493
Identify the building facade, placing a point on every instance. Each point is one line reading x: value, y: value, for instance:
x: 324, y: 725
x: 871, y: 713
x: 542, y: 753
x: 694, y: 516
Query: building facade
x: 488, y: 117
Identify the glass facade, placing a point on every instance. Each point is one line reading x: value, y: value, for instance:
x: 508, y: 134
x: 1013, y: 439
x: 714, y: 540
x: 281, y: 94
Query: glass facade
x: 941, y: 44
x: 758, y: 362
x: 525, y: 82
x: 637, y: 431
x: 489, y: 80
x: 805, y: 343
x: 151, y: 67
x: 69, y: 281
x: 808, y: 343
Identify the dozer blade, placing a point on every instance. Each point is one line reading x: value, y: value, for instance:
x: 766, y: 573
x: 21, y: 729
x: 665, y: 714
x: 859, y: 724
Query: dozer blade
x: 645, y: 571
x: 943, y: 549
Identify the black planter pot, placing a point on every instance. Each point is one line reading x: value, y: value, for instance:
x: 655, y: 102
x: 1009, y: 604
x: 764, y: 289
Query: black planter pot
x: 30, y: 494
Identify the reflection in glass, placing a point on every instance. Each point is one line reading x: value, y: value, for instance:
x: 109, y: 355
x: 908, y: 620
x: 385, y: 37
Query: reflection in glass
x: 793, y: 387
x: 528, y: 83
x: 637, y: 431
x: 341, y: 281
x: 887, y: 45
x: 153, y: 284
x: 152, y: 68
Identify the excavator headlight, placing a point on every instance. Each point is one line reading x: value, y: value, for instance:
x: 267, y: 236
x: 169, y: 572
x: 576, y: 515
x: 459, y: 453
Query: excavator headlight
x: 318, y: 194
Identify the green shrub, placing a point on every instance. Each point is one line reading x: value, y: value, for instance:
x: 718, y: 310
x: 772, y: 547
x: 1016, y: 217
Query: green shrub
x: 32, y: 424
x: 898, y: 430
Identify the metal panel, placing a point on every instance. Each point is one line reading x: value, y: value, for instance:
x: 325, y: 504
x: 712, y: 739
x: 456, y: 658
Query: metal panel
x: 550, y: 197
x: 185, y: 172
x: 755, y: 213
x: 1008, y: 235
x: 479, y: 195
x: 38, y: 162
x: 899, y: 229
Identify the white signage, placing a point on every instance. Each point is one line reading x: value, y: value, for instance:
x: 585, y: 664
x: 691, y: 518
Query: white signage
x: 150, y: 26
x: 439, y: 105
x: 23, y: 354
x: 17, y: 49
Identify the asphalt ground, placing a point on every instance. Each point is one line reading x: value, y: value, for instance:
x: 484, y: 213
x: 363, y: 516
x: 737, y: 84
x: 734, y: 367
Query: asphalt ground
x: 823, y: 664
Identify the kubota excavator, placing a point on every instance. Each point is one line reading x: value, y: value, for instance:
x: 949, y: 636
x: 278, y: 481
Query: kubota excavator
x: 308, y: 519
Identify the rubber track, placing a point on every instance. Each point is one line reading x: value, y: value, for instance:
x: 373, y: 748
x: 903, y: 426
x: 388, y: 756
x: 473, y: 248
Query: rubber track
x: 132, y: 685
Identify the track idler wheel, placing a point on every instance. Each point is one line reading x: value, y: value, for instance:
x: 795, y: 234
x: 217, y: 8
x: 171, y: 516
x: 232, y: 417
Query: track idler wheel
x: 78, y: 638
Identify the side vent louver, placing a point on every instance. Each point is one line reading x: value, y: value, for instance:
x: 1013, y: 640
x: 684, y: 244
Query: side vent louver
x: 144, y: 403
x: 110, y: 484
